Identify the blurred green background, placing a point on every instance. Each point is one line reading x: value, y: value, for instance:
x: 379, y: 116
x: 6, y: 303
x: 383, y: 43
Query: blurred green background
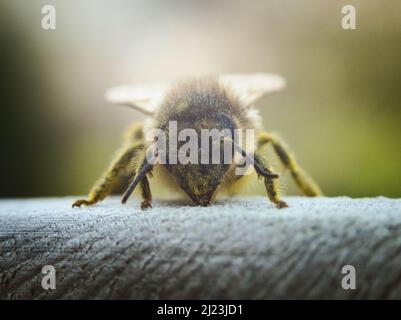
x: 340, y: 113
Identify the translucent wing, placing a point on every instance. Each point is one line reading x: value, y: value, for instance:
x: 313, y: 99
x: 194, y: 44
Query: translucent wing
x: 144, y: 98
x: 253, y: 86
x: 147, y: 97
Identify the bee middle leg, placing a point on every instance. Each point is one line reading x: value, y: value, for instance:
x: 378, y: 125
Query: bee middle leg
x: 104, y: 185
x: 302, y: 179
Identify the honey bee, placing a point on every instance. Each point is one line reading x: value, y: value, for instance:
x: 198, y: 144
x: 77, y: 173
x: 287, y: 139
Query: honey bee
x: 219, y: 103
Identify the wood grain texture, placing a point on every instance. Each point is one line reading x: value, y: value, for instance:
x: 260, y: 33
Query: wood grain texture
x: 235, y: 249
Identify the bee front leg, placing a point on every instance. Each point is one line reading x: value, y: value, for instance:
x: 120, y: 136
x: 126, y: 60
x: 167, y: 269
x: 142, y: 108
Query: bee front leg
x: 272, y: 184
x: 104, y: 185
x: 140, y: 178
x: 146, y: 193
x: 302, y: 179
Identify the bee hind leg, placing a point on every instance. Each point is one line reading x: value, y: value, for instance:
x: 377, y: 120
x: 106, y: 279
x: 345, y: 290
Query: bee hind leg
x: 104, y: 185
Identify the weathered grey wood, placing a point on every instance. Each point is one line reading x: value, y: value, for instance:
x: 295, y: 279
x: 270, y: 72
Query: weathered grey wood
x: 235, y: 249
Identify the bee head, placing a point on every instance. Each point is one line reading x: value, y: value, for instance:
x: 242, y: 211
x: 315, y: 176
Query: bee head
x: 199, y: 181
x: 193, y: 108
x: 208, y: 156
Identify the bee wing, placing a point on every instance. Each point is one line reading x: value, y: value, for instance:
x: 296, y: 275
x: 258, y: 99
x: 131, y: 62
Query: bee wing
x: 251, y: 87
x: 144, y: 98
